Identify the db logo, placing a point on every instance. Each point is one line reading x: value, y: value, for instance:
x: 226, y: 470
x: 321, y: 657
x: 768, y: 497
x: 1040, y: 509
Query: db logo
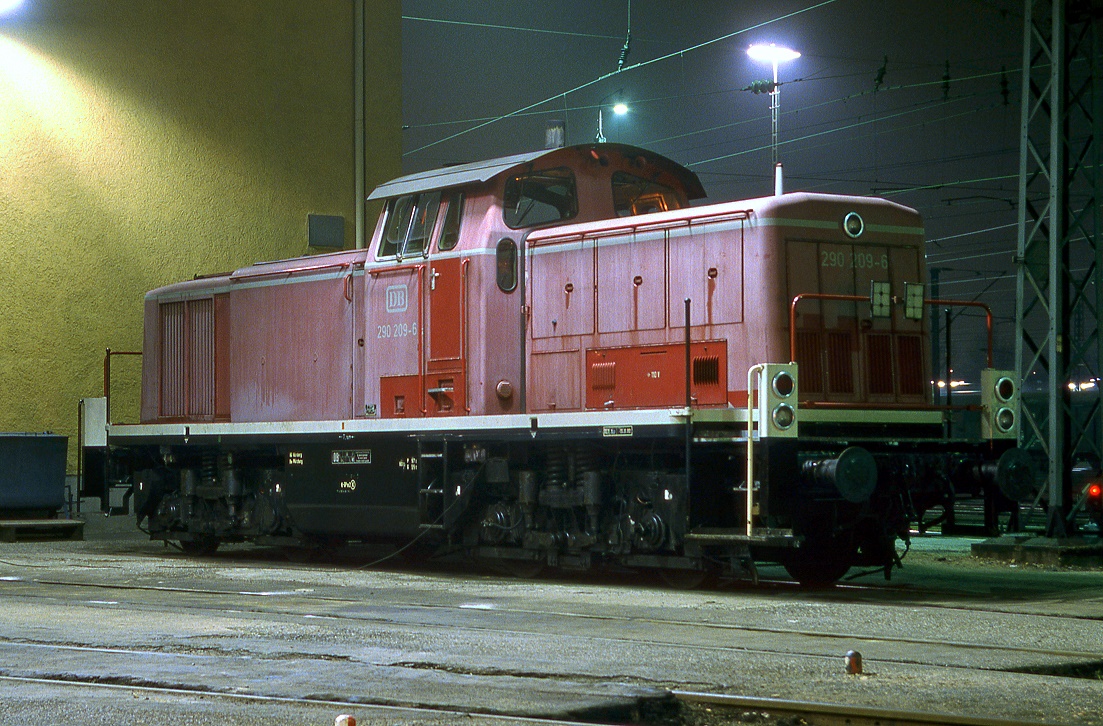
x: 396, y: 299
x: 349, y: 485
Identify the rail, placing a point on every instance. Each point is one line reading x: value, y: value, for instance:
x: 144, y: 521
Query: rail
x: 107, y: 376
x: 838, y: 713
x: 864, y: 298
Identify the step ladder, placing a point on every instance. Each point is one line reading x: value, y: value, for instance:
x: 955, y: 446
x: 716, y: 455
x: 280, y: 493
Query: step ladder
x: 432, y: 482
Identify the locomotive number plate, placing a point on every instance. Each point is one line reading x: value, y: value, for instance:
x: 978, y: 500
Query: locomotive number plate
x: 616, y: 431
x: 352, y: 456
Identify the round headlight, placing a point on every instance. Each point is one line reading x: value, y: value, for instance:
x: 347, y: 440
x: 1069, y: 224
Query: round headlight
x: 1005, y: 389
x: 1005, y: 420
x: 853, y: 225
x: 783, y: 416
x: 783, y: 384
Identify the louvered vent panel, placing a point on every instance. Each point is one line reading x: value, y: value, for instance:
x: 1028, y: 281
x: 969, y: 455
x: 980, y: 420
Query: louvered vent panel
x: 840, y: 371
x: 909, y: 356
x: 201, y: 357
x: 173, y: 359
x: 810, y: 360
x: 879, y: 360
x: 706, y: 370
x: 603, y: 375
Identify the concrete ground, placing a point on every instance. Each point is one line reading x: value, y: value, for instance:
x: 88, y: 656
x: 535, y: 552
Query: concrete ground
x: 949, y: 633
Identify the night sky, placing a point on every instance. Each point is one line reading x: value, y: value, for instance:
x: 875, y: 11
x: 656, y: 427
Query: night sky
x: 935, y: 126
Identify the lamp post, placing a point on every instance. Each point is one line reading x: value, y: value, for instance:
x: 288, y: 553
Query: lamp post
x: 773, y: 54
x: 619, y: 108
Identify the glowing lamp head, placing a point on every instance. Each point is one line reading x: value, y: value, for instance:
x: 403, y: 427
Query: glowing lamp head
x: 9, y: 6
x: 772, y: 53
x: 620, y: 109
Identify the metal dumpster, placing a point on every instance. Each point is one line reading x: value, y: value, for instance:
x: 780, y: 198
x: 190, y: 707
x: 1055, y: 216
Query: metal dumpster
x: 32, y: 473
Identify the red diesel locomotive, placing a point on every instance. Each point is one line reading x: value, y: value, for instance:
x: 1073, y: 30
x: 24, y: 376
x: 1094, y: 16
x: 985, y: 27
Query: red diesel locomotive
x: 552, y: 358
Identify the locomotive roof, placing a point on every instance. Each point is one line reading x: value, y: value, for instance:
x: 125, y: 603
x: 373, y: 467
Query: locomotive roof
x: 483, y: 171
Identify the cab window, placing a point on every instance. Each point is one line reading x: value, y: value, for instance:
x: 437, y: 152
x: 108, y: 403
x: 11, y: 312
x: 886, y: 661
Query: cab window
x: 539, y: 198
x: 410, y: 221
x: 450, y: 231
x: 506, y: 255
x: 633, y: 195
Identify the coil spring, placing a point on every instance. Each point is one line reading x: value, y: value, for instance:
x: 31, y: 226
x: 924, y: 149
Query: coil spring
x: 208, y: 467
x: 556, y: 466
x: 585, y: 461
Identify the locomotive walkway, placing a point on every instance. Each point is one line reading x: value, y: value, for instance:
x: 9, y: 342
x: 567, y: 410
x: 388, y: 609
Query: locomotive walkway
x: 114, y: 627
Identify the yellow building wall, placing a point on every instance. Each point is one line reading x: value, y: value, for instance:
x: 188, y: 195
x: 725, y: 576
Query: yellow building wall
x: 142, y: 143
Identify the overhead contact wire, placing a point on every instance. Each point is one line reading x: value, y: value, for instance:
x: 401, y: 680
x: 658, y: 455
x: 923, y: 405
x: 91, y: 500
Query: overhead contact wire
x: 605, y: 76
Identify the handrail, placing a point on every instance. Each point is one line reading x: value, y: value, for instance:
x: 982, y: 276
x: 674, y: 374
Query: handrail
x: 420, y: 275
x: 751, y: 389
x: 639, y: 224
x: 463, y: 331
x: 289, y: 271
x: 969, y: 304
x: 107, y: 377
x: 865, y: 298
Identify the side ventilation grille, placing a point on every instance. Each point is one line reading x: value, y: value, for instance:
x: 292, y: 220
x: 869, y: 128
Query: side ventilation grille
x: 840, y: 371
x: 603, y: 375
x: 879, y: 349
x: 706, y: 370
x: 910, y: 355
x: 188, y: 359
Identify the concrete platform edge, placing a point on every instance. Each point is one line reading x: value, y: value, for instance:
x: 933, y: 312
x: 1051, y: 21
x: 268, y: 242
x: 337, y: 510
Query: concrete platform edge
x: 1050, y: 551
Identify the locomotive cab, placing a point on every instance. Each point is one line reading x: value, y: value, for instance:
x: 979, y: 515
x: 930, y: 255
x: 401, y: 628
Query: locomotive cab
x: 452, y: 243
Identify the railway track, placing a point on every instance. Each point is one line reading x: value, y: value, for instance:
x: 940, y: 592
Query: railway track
x: 540, y: 615
x: 684, y: 708
x: 359, y: 615
x: 824, y: 714
x: 377, y: 712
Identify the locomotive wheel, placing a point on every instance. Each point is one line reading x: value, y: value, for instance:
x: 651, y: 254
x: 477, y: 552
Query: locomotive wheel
x: 204, y: 546
x: 820, y: 562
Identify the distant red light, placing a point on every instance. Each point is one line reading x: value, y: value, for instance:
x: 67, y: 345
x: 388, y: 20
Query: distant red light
x: 1094, y: 491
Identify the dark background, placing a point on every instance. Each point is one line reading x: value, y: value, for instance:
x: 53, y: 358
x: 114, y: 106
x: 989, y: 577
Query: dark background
x: 938, y: 133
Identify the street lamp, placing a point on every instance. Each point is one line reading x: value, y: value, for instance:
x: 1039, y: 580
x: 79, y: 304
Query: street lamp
x: 620, y: 108
x: 773, y: 54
